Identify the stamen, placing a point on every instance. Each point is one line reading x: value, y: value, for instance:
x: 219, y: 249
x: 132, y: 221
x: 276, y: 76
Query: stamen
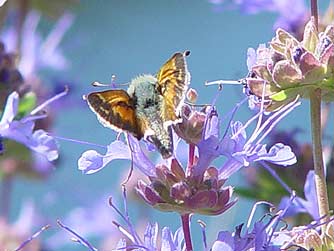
x: 259, y: 122
x: 275, y: 175
x: 251, y: 215
x: 76, y: 141
x: 203, y: 227
x: 231, y: 115
x: 272, y: 119
x: 78, y: 238
x: 49, y: 101
x: 124, y: 231
x: 273, y: 122
x: 34, y: 117
x: 126, y: 219
x: 246, y: 125
x: 35, y: 235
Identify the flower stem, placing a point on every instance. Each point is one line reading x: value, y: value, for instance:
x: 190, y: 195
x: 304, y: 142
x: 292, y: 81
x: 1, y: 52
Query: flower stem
x: 319, y: 178
x: 191, y: 159
x: 314, y: 11
x: 186, y: 231
x: 191, y: 155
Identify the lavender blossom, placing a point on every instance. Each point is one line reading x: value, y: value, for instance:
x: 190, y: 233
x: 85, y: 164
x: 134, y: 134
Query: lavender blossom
x: 22, y: 130
x: 149, y: 241
x: 241, y: 151
x: 36, y: 53
x: 308, y: 205
x: 198, y: 187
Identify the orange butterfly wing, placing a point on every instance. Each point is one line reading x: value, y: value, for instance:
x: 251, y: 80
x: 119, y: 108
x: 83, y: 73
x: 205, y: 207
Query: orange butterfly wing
x: 115, y: 109
x: 173, y: 80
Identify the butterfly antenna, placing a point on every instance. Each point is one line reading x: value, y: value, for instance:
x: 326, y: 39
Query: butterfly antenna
x: 112, y: 83
x: 99, y: 84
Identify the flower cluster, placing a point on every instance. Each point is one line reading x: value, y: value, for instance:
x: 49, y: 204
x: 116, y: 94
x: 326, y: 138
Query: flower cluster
x: 289, y: 69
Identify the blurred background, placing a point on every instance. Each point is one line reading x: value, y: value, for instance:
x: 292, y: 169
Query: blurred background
x: 93, y: 40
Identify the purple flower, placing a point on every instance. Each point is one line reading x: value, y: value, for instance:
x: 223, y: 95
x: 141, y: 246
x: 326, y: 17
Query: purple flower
x: 308, y: 205
x: 22, y: 130
x: 260, y: 238
x: 91, y: 161
x: 35, y: 53
x: 242, y: 151
x: 267, y: 235
x: 290, y: 69
x: 169, y: 241
x: 199, y: 187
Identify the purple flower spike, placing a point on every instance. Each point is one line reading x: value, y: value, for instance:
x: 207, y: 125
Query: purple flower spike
x: 22, y: 130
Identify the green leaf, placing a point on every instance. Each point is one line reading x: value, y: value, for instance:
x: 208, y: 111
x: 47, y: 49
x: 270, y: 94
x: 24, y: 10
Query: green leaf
x: 27, y: 103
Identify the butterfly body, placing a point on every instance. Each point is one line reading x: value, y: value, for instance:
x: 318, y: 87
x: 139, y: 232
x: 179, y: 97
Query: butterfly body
x: 149, y: 106
x: 148, y: 102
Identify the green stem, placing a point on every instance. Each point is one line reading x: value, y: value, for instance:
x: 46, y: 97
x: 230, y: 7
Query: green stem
x: 319, y: 178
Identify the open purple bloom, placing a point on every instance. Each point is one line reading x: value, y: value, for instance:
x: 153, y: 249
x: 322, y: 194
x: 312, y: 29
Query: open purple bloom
x: 22, y: 130
x: 308, y: 205
x: 91, y: 161
x: 260, y: 238
x: 267, y: 235
x: 242, y: 151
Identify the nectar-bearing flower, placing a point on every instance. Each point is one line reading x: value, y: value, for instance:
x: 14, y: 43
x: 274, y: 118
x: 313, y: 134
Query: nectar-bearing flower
x: 289, y: 68
x: 173, y: 190
x: 23, y: 131
x: 199, y: 187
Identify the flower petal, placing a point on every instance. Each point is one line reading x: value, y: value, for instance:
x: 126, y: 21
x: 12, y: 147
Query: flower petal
x: 286, y: 74
x: 225, y: 242
x: 44, y: 144
x: 280, y: 154
x: 10, y: 109
x: 91, y: 161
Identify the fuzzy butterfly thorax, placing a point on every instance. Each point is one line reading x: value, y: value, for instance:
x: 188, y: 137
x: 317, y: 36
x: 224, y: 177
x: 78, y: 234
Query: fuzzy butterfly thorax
x: 150, y: 105
x: 148, y: 102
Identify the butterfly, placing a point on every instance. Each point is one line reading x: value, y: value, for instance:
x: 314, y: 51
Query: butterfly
x: 150, y: 105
